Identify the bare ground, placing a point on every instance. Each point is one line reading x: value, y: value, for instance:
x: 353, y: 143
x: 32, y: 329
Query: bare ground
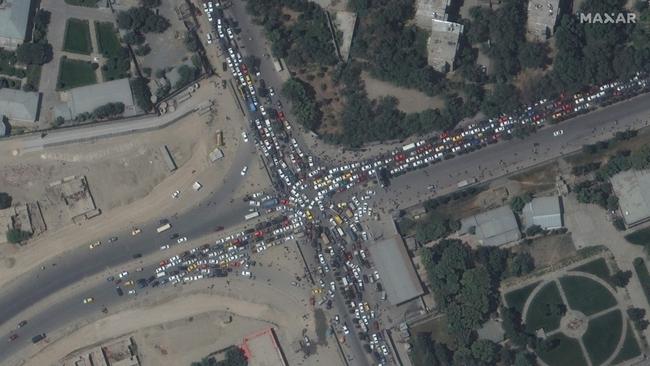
x: 410, y: 100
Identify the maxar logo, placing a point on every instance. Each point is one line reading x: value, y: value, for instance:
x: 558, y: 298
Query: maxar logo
x: 607, y: 18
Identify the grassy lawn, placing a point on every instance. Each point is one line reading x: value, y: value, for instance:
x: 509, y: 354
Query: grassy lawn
x: 543, y: 311
x: 107, y: 40
x: 74, y: 73
x: 586, y: 295
x: 597, y: 268
x: 639, y: 237
x: 565, y: 351
x: 517, y: 298
x: 630, y: 347
x: 88, y: 3
x: 644, y: 277
x: 602, y: 336
x: 77, y: 37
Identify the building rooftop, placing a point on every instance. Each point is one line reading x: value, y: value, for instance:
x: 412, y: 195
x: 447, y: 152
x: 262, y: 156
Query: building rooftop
x: 443, y: 44
x: 542, y: 15
x: 19, y: 105
x: 425, y: 10
x: 494, y: 227
x: 14, y: 17
x: 398, y: 276
x: 543, y: 211
x: 87, y: 98
x: 3, y: 128
x: 632, y: 187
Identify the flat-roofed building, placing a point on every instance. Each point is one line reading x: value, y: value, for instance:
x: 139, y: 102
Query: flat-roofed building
x: 395, y: 267
x: 442, y: 45
x: 493, y: 228
x: 632, y: 187
x: 14, y: 19
x: 86, y: 99
x: 542, y: 16
x: 426, y: 10
x: 545, y: 212
x: 19, y: 106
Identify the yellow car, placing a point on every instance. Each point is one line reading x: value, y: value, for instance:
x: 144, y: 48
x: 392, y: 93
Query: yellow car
x: 89, y: 300
x: 95, y: 244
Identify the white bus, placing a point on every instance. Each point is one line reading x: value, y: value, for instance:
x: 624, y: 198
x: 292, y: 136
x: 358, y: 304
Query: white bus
x: 165, y: 227
x: 252, y: 215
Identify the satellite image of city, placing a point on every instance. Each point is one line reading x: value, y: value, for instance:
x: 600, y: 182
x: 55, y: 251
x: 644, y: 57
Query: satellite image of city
x: 324, y: 182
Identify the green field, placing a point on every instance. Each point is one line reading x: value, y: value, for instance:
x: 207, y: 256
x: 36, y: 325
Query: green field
x: 107, y: 41
x: 586, y: 295
x: 517, y: 298
x: 630, y: 347
x: 88, y: 3
x: 602, y: 336
x: 77, y: 37
x: 597, y: 267
x: 564, y: 351
x: 639, y: 237
x: 75, y: 73
x: 543, y: 311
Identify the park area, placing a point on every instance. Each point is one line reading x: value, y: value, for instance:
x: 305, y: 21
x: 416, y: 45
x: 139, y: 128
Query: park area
x: 77, y: 37
x: 579, y: 316
x: 75, y: 73
x: 118, y: 63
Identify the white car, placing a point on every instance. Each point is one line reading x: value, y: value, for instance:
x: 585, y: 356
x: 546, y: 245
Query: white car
x: 175, y: 194
x: 244, y: 170
x: 123, y: 274
x: 182, y: 240
x: 209, y: 38
x: 271, y: 91
x: 346, y: 331
x: 244, y: 136
x: 246, y: 273
x: 164, y: 247
x: 558, y: 133
x: 131, y: 292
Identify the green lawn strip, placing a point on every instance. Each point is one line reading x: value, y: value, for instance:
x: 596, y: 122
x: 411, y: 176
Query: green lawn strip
x: 86, y: 3
x: 517, y: 298
x: 7, y: 62
x: 75, y: 73
x: 602, y: 336
x: 644, y: 276
x: 586, y: 295
x: 596, y: 267
x: 564, y: 351
x: 107, y: 41
x: 543, y: 311
x: 639, y: 237
x: 630, y: 347
x: 77, y: 37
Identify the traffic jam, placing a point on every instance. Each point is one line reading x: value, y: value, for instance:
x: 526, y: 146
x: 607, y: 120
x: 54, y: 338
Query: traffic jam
x: 303, y: 204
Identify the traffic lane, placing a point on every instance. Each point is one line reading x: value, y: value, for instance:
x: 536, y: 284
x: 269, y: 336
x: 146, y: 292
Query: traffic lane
x: 354, y: 344
x: 509, y: 156
x: 81, y: 262
x: 71, y: 311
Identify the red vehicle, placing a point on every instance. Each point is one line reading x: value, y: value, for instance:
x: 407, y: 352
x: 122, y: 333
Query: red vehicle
x: 281, y: 115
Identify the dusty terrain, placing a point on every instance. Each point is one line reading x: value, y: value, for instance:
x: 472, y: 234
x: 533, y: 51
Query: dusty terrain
x: 126, y: 174
x: 410, y: 100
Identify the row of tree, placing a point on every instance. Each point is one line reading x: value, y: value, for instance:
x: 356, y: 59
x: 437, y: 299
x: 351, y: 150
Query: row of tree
x: 142, y: 20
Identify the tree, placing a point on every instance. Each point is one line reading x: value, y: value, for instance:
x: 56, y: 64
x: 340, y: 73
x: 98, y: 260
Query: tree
x: 518, y: 202
x: 142, y: 19
x: 143, y: 50
x: 34, y: 53
x: 534, y: 230
x: 235, y: 357
x: 41, y: 22
x: 5, y: 200
x: 150, y: 3
x: 485, y: 351
x: 621, y: 278
x: 133, y: 38
x: 191, y: 41
x: 303, y: 103
x: 522, y: 263
x: 16, y: 236
x: 533, y: 54
x: 523, y: 358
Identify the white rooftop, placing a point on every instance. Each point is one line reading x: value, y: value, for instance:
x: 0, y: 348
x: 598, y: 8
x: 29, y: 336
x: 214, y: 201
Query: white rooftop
x: 544, y: 212
x: 632, y: 187
x: 494, y: 227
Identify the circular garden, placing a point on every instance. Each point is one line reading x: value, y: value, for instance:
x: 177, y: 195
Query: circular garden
x: 580, y: 318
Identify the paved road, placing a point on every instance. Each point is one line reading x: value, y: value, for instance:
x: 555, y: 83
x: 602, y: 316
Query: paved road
x: 510, y: 156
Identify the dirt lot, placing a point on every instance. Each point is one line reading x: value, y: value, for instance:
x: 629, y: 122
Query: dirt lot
x: 550, y: 249
x: 538, y: 179
x: 410, y: 100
